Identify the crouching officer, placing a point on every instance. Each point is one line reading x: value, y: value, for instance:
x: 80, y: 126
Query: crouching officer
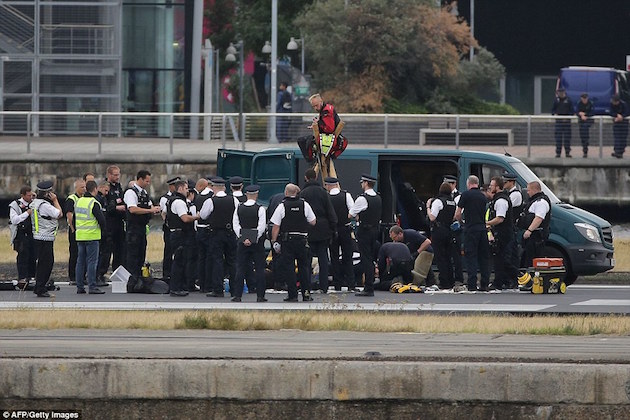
x: 535, y: 219
x: 288, y: 236
x: 250, y: 223
x: 180, y: 217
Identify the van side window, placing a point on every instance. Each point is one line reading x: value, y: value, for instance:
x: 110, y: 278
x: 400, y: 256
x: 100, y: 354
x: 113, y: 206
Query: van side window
x: 486, y: 171
x: 348, y: 172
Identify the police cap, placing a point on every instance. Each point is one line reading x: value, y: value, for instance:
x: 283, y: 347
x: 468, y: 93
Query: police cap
x: 561, y: 89
x: 236, y: 181
x: 368, y: 178
x: 450, y: 179
x: 508, y: 176
x: 172, y: 181
x: 217, y: 180
x: 252, y: 189
x: 331, y: 180
x: 45, y: 185
x: 191, y: 184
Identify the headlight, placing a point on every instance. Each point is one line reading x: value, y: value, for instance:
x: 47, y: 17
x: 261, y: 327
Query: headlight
x: 590, y: 232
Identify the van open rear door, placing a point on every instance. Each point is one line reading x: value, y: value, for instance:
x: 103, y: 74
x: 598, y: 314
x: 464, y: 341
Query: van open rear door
x: 235, y: 163
x: 272, y: 171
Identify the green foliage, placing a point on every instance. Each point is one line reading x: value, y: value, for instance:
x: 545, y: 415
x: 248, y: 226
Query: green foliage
x: 195, y: 321
x: 394, y: 106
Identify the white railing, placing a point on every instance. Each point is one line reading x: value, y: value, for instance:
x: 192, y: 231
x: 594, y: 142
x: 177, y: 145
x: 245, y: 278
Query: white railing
x: 378, y: 129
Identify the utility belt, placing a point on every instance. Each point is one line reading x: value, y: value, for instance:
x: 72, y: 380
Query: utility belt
x: 291, y: 236
x: 203, y: 226
x: 367, y: 226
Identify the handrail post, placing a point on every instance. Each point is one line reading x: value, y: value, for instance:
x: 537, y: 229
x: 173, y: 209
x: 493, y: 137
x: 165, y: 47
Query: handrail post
x: 28, y: 132
x: 457, y: 132
x: 386, y: 138
x: 223, y: 122
x: 529, y: 136
x: 243, y: 122
x: 171, y: 119
x: 100, y: 132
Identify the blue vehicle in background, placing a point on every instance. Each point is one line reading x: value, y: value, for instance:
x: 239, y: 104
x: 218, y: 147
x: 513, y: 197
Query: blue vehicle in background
x: 599, y: 82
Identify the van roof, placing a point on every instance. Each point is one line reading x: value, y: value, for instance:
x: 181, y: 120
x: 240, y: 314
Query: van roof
x: 587, y: 68
x: 427, y: 152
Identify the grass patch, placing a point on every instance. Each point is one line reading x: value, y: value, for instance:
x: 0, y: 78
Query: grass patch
x: 317, y: 321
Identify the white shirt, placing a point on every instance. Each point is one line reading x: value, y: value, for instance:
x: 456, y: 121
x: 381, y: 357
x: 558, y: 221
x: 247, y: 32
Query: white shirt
x: 208, y: 205
x: 349, y: 200
x: 131, y: 198
x: 360, y: 203
x: 279, y: 214
x: 516, y: 199
x: 540, y: 208
x: 436, y: 207
x: 179, y: 208
x: 48, y: 210
x: 262, y: 219
x: 15, y: 217
x: 501, y: 208
x: 164, y: 201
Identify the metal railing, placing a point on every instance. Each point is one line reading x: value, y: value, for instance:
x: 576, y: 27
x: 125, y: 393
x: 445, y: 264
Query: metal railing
x: 377, y: 129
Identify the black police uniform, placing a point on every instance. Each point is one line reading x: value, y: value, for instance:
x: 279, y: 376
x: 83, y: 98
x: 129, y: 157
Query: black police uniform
x: 23, y: 243
x: 368, y: 237
x: 445, y: 245
x: 182, y: 237
x: 505, y: 272
x: 342, y: 271
x: 563, y: 106
x: 248, y: 255
x: 137, y: 234
x: 534, y: 246
x: 476, y: 247
x: 319, y: 236
x: 294, y: 247
x: 167, y: 255
x: 115, y: 235
x: 400, y: 264
x: 204, y: 252
x: 222, y: 242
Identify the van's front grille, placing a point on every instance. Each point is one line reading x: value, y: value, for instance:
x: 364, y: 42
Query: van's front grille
x: 608, y: 235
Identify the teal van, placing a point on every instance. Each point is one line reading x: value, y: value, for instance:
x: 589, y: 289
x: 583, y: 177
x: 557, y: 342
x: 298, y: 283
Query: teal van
x: 407, y: 178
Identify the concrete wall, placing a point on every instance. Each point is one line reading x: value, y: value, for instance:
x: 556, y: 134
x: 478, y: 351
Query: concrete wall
x: 349, y: 389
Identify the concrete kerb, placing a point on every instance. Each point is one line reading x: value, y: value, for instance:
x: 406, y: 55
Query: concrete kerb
x: 314, y: 380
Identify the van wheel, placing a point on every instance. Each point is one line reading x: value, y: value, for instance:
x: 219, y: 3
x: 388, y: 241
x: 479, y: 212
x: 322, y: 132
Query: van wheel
x: 552, y: 251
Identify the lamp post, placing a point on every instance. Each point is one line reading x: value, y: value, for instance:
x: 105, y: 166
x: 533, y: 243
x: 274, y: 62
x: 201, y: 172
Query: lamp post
x: 230, y: 57
x: 208, y: 54
x: 274, y: 67
x: 472, y: 29
x: 293, y: 46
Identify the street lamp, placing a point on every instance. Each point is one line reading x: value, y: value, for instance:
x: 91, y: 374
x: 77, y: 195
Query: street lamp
x: 293, y: 46
x: 231, y: 57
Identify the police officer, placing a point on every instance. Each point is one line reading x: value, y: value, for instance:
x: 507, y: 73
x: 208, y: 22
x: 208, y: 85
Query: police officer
x: 115, y: 220
x: 562, y: 105
x: 167, y: 257
x: 79, y: 190
x: 252, y: 217
x: 202, y: 238
x: 218, y: 211
x: 325, y: 228
x: 22, y: 236
x: 447, y: 252
x: 45, y: 215
x: 181, y: 215
x: 516, y: 198
x: 101, y: 197
x: 367, y: 208
x: 289, y: 238
x: 501, y: 228
x: 139, y: 212
x: 90, y: 222
x: 342, y: 202
x: 476, y: 247
x: 236, y: 185
x: 535, y: 219
x: 394, y: 259
x: 421, y: 251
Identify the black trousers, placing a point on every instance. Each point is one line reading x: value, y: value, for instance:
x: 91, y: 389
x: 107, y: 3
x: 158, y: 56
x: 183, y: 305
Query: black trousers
x: 447, y: 256
x: 223, y: 256
x: 26, y: 259
x: 584, y: 128
x: 342, y: 271
x: 45, y: 261
x: 477, y: 251
x: 620, y: 134
x: 533, y: 247
x: 367, y: 238
x: 115, y: 241
x: 396, y: 268
x: 136, y: 249
x: 167, y: 256
x: 204, y: 259
x: 73, y: 250
x: 245, y: 257
x: 563, y: 136
x: 505, y: 272
x: 183, y: 260
x: 292, y: 250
